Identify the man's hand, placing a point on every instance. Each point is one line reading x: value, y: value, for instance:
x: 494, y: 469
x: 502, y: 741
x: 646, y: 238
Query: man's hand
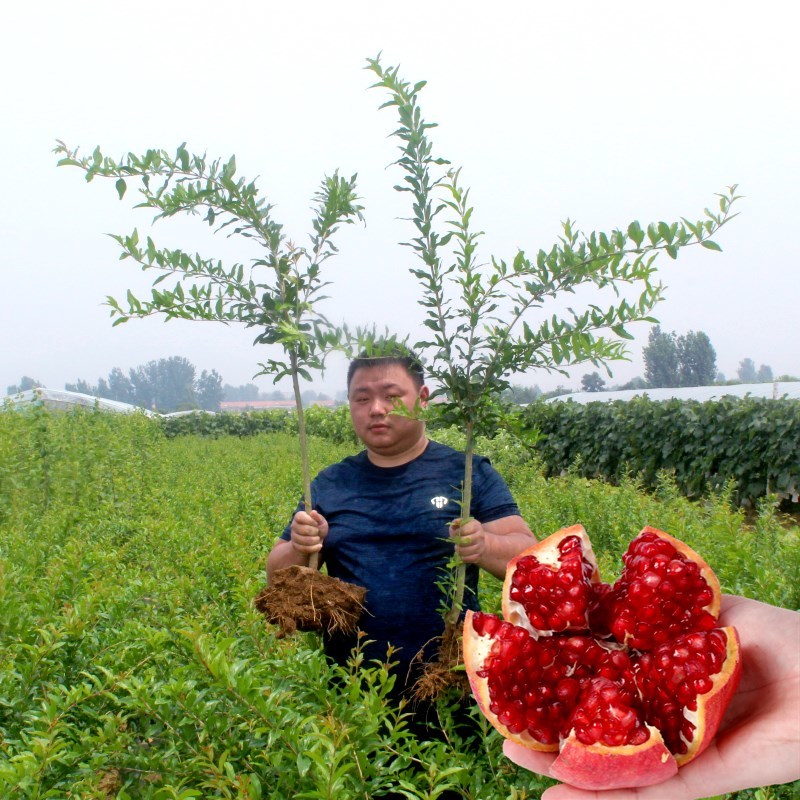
x: 308, y: 530
x: 470, y: 539
x: 492, y: 544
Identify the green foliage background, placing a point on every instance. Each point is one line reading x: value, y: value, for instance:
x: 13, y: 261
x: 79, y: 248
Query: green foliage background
x: 752, y: 442
x: 132, y: 662
x: 748, y: 447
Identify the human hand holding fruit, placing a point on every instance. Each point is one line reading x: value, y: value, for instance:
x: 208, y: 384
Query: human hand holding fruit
x: 758, y: 742
x: 627, y: 682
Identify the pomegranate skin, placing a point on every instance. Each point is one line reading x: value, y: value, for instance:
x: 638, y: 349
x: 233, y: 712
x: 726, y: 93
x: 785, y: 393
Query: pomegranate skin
x: 595, y: 767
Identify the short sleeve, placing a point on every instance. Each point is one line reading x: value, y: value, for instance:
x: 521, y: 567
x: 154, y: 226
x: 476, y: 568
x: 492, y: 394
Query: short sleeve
x: 492, y: 498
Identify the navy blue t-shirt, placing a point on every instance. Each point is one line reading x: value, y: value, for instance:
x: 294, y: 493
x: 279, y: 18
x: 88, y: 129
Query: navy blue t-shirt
x: 388, y: 532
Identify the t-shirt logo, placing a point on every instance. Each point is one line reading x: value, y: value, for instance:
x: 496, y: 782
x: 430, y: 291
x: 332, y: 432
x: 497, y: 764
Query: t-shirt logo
x: 439, y: 501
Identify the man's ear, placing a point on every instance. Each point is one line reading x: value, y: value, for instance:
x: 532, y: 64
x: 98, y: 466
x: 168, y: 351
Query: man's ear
x: 424, y: 394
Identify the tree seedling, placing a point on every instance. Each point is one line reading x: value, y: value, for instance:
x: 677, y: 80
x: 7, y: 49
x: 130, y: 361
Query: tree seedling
x: 490, y: 320
x: 276, y: 293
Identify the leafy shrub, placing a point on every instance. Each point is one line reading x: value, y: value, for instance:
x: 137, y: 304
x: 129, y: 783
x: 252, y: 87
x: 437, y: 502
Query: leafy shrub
x: 248, y: 423
x: 134, y: 665
x: 752, y: 441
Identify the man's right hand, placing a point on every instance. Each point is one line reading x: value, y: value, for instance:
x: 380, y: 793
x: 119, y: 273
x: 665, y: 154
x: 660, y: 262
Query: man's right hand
x: 308, y: 531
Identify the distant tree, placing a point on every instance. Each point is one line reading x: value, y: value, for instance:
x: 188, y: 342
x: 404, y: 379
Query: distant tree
x: 592, y: 382
x: 176, y: 384
x: 103, y: 389
x: 120, y: 386
x: 81, y: 386
x: 277, y: 394
x: 787, y: 377
x: 764, y: 374
x: 208, y: 390
x: 661, y: 359
x: 637, y: 383
x: 308, y: 395
x: 247, y: 391
x: 697, y: 359
x: 672, y: 360
x: 720, y: 380
x: 522, y: 394
x: 24, y: 385
x: 144, y: 380
x: 747, y: 371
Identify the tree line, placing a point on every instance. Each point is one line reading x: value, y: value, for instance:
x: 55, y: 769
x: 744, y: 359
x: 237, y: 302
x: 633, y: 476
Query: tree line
x: 169, y: 384
x: 165, y: 385
x: 670, y: 361
x: 172, y: 384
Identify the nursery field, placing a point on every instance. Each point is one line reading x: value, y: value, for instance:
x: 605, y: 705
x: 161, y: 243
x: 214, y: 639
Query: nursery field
x: 134, y: 665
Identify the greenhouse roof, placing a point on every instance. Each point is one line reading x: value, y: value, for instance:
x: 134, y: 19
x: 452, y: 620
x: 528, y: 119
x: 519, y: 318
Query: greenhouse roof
x: 700, y: 393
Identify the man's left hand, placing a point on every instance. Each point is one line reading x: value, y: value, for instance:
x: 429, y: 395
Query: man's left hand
x: 470, y: 538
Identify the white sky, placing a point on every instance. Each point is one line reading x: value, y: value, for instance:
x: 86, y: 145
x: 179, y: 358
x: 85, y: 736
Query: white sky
x: 597, y: 111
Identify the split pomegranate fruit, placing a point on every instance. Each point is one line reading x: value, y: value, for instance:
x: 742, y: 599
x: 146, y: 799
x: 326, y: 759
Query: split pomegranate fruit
x: 629, y: 682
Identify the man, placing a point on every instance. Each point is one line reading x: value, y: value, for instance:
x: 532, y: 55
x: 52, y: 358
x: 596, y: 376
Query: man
x: 383, y: 519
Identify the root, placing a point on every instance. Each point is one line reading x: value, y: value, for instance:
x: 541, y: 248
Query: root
x: 303, y: 599
x: 441, y: 676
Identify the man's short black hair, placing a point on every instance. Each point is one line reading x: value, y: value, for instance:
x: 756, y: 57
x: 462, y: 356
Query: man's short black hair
x: 397, y: 354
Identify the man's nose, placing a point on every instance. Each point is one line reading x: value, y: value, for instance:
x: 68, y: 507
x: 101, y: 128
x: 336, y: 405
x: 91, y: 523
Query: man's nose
x: 378, y: 408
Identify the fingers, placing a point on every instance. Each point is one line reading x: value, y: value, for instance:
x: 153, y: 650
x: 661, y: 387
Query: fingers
x: 534, y: 760
x: 308, y: 531
x: 470, y: 539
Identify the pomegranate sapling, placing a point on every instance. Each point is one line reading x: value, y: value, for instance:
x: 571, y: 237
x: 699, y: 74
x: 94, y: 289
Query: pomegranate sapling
x: 487, y: 319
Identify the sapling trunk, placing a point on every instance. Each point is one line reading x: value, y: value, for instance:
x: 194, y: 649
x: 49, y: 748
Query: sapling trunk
x: 313, y: 561
x: 466, y: 502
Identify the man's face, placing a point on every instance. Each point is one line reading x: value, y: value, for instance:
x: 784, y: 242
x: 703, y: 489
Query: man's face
x: 372, y: 395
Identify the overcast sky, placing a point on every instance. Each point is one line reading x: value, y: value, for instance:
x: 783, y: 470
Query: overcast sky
x: 597, y: 111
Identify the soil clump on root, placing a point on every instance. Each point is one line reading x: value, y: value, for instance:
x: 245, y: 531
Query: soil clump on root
x: 442, y: 675
x: 304, y: 599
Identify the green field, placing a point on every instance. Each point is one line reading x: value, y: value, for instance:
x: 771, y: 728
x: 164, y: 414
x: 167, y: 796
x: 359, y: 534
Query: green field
x: 132, y: 662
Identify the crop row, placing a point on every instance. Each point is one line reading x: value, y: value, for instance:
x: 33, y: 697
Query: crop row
x: 752, y: 444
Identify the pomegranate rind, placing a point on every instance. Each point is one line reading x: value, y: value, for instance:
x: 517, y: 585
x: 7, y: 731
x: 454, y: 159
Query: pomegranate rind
x: 711, y: 705
x: 546, y: 553
x: 476, y: 649
x: 597, y: 767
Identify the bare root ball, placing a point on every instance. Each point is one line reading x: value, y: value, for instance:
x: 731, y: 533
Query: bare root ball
x: 304, y: 599
x: 440, y: 676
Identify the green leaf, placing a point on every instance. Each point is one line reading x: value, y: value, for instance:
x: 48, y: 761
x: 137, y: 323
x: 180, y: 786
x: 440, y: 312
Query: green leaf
x: 121, y: 187
x: 709, y: 245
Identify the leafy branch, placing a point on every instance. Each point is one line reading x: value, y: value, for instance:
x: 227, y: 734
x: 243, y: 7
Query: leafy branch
x: 488, y: 320
x: 276, y: 292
